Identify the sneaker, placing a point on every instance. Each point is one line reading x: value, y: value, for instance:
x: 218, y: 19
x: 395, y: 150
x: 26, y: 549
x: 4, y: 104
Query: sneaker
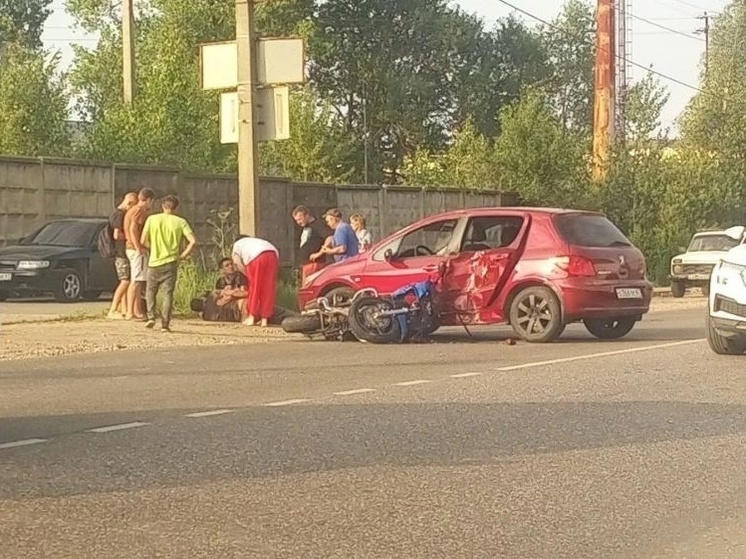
x: 249, y: 322
x: 150, y: 324
x: 165, y: 328
x: 114, y: 316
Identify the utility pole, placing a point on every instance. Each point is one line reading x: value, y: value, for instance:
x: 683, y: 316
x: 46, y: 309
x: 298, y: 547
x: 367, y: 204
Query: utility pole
x: 128, y: 50
x: 603, y: 102
x: 706, y: 32
x: 248, y: 191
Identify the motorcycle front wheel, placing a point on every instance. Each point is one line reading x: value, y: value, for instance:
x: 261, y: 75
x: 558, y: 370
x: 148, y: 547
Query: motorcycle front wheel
x: 302, y: 324
x: 368, y: 326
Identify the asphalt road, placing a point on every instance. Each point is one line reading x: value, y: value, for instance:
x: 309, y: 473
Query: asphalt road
x: 457, y: 449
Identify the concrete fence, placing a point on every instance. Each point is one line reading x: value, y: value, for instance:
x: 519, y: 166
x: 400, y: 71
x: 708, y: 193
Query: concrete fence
x: 35, y: 190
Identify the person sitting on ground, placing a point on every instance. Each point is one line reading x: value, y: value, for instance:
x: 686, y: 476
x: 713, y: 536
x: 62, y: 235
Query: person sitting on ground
x: 226, y: 303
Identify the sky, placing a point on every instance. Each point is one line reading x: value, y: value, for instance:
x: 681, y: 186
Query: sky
x: 677, y: 54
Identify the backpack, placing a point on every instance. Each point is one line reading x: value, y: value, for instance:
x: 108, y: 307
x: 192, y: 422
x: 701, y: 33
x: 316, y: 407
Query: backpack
x: 105, y: 242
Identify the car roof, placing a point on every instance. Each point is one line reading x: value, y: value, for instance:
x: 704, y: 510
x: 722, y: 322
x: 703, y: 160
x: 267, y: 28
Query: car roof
x: 521, y: 209
x: 95, y: 220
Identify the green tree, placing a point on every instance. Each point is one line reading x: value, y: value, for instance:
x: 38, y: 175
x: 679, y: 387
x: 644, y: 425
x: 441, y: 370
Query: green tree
x: 22, y: 22
x: 538, y: 158
x: 172, y: 121
x: 570, y: 44
x: 714, y: 119
x: 33, y: 103
x: 318, y: 149
x: 468, y: 163
x: 645, y: 102
x: 400, y: 64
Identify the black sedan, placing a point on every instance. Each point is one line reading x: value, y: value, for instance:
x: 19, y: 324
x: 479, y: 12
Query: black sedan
x: 60, y: 258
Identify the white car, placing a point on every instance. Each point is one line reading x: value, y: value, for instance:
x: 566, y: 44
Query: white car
x: 693, y: 267
x: 726, y: 316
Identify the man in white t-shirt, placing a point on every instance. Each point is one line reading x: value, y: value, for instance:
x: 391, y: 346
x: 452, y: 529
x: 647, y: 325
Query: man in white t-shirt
x: 261, y: 261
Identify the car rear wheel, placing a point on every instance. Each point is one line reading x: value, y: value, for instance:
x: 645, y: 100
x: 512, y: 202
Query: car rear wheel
x: 610, y: 329
x: 340, y: 295
x: 536, y: 316
x: 69, y: 287
x: 722, y: 345
x: 678, y: 289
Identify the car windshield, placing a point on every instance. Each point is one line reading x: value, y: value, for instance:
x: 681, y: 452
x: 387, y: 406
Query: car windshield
x: 702, y: 243
x: 590, y: 230
x: 64, y: 234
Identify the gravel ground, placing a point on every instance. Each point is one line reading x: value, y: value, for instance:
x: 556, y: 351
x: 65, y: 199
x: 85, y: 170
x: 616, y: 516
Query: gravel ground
x: 39, y: 338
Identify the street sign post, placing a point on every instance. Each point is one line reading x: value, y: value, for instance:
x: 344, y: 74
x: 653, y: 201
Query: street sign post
x: 259, y: 109
x: 271, y: 110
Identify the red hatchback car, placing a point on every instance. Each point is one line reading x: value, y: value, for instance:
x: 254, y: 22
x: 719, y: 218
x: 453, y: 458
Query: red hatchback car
x: 537, y: 269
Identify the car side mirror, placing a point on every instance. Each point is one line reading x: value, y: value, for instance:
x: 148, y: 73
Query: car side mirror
x: 388, y: 256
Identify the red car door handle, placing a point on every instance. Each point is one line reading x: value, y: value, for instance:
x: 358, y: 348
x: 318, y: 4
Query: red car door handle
x: 430, y: 268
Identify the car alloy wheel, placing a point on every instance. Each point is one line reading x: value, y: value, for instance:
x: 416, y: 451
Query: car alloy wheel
x: 535, y: 315
x: 69, y: 288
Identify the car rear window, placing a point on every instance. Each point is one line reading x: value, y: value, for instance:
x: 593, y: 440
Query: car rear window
x: 64, y: 234
x: 590, y: 230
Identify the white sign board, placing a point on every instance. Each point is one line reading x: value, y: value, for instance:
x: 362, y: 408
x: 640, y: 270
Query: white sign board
x: 279, y: 61
x: 271, y: 109
x: 272, y: 112
x: 229, y: 118
x: 219, y: 65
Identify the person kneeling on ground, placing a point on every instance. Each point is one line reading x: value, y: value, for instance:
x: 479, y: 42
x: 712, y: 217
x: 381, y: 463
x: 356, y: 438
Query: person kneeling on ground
x: 226, y: 303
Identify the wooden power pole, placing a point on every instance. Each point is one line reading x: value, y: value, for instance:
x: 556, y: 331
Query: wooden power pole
x: 248, y: 192
x: 603, y: 102
x: 128, y: 50
x: 706, y: 32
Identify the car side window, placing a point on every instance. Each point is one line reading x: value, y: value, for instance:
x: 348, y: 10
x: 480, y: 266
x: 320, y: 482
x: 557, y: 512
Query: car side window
x: 491, y: 232
x: 431, y: 239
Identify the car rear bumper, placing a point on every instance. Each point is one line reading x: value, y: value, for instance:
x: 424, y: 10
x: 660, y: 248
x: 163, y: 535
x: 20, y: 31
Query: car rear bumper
x: 601, y: 299
x: 38, y: 281
x: 690, y: 278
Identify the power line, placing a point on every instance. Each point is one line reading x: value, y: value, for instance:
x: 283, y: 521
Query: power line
x: 669, y: 29
x: 631, y: 62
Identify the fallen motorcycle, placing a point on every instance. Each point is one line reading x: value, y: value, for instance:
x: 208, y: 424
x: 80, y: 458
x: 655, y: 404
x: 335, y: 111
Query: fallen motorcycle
x: 408, y: 314
x: 325, y: 318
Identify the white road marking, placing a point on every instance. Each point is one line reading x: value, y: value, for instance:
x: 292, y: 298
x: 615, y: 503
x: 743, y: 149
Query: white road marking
x: 466, y: 375
x: 119, y: 427
x: 597, y: 355
x: 286, y: 403
x: 26, y: 442
x: 356, y: 391
x: 209, y: 413
x: 412, y: 382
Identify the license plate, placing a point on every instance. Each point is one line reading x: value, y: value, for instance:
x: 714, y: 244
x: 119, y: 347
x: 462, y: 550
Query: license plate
x: 6, y: 277
x: 629, y: 293
x: 699, y: 277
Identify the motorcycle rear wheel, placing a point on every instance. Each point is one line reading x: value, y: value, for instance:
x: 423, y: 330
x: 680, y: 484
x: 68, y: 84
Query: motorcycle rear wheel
x: 368, y: 328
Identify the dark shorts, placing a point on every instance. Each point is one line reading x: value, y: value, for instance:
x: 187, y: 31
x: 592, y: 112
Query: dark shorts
x: 122, y: 266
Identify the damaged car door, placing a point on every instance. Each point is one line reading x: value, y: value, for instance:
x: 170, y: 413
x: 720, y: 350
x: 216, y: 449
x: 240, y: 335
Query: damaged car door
x: 489, y: 250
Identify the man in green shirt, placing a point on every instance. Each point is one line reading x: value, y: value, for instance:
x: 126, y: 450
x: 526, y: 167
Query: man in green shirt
x: 164, y: 234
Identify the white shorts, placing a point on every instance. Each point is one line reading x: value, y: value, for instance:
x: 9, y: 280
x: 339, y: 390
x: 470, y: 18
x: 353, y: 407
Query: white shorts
x: 137, y: 264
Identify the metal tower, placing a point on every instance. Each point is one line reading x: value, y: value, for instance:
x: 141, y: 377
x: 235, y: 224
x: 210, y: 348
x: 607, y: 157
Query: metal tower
x: 623, y: 20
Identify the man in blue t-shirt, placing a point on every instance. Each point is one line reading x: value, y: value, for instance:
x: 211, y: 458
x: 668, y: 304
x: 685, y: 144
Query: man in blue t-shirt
x: 344, y: 240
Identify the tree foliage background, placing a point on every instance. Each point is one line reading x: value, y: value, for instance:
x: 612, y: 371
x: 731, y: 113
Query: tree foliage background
x: 407, y: 92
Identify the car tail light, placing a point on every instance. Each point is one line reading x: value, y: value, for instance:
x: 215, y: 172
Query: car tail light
x: 577, y: 266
